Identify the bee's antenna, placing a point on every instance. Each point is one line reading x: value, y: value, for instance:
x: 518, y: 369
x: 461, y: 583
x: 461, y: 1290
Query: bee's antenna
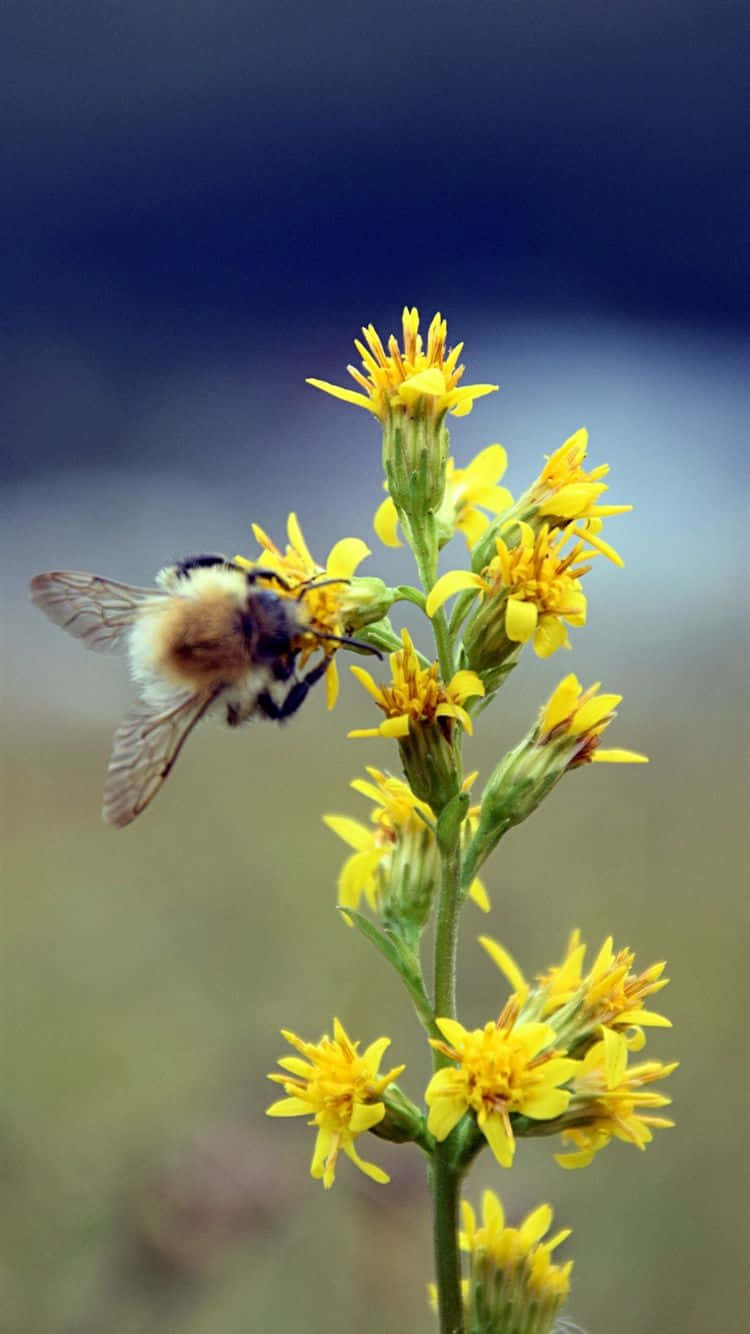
x: 344, y: 639
x: 315, y: 581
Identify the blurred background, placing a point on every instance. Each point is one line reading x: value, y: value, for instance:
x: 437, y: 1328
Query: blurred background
x: 203, y: 203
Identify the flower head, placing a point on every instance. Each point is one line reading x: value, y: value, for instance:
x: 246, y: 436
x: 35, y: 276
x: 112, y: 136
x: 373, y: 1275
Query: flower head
x: 565, y: 736
x: 416, y: 694
x: 410, y: 378
x: 563, y: 494
x: 609, y: 1100
x: 564, y: 490
x: 573, y: 721
x: 340, y: 1090
x: 529, y: 591
x: 324, y: 590
x: 579, y: 1003
x: 502, y: 1068
x: 468, y: 491
x: 514, y: 1284
x: 395, y: 863
x: 421, y: 712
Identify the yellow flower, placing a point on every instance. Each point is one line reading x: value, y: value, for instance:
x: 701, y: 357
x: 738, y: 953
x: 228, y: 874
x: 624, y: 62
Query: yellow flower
x: 326, y: 594
x: 417, y: 696
x: 340, y: 1090
x: 564, y: 490
x: 529, y: 590
x: 502, y: 1068
x: 609, y: 1100
x: 575, y: 719
x: 577, y: 1004
x: 398, y: 852
x: 409, y: 378
x: 467, y: 491
x: 515, y: 1259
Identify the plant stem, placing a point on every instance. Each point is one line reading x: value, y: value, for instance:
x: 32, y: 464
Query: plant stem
x: 423, y: 543
x: 446, y: 1176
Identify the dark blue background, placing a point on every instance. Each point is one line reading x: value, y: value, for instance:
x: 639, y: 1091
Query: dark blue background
x: 179, y: 176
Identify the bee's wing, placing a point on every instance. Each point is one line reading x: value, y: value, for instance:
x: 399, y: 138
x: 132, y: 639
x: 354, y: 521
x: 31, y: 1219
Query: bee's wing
x: 98, y: 611
x: 145, y: 746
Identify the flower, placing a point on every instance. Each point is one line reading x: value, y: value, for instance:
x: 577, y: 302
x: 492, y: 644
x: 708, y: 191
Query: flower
x: 341, y: 1090
x: 573, y: 721
x: 565, y: 736
x: 564, y: 490
x: 529, y: 590
x: 514, y: 1284
x: 421, y: 713
x: 502, y: 1068
x: 564, y: 493
x: 326, y: 594
x: 608, y: 1100
x: 409, y: 379
x: 467, y: 491
x: 416, y: 695
x: 395, y: 863
x: 578, y: 1004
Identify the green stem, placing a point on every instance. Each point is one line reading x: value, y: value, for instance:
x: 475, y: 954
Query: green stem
x: 446, y: 1186
x: 423, y: 543
x: 446, y: 1176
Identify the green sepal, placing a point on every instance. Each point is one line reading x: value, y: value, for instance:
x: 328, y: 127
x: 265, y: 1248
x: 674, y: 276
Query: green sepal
x: 450, y: 820
x: 402, y: 958
x: 403, y: 1121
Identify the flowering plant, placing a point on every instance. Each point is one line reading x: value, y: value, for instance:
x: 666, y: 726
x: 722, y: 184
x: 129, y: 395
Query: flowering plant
x: 556, y: 1061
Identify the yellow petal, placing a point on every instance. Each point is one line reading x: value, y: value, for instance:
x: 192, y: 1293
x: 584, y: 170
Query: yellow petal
x: 445, y: 1113
x: 365, y: 1115
x: 345, y: 556
x: 289, y: 1107
x: 593, y: 712
x: 332, y: 684
x: 493, y: 1128
x: 448, y: 584
x: 535, y: 1225
x: 506, y: 963
x: 357, y: 835
x: 545, y: 1104
x: 395, y: 727
x: 561, y: 703
x: 550, y: 635
x: 520, y: 620
x: 472, y: 523
x: 298, y: 542
x: 464, y: 684
x: 367, y: 681
x: 385, y: 523
x: 347, y: 395
x: 618, y: 756
x: 478, y: 893
x: 487, y: 467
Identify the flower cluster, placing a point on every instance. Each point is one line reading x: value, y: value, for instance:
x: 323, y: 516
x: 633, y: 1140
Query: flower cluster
x: 562, y: 1058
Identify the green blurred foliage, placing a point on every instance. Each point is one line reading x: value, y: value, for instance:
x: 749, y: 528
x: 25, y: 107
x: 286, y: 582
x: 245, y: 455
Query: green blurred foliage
x: 148, y: 972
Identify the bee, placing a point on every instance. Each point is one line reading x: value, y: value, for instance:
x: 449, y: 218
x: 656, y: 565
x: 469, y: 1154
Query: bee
x: 208, y: 639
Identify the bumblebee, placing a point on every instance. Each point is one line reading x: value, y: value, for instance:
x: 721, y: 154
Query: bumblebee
x: 211, y: 638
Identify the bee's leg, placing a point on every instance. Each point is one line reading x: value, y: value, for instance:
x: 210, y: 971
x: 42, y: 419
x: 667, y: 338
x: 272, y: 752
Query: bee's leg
x: 297, y: 695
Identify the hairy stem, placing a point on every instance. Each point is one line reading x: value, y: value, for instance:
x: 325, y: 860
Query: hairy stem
x: 423, y: 543
x: 446, y: 1177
